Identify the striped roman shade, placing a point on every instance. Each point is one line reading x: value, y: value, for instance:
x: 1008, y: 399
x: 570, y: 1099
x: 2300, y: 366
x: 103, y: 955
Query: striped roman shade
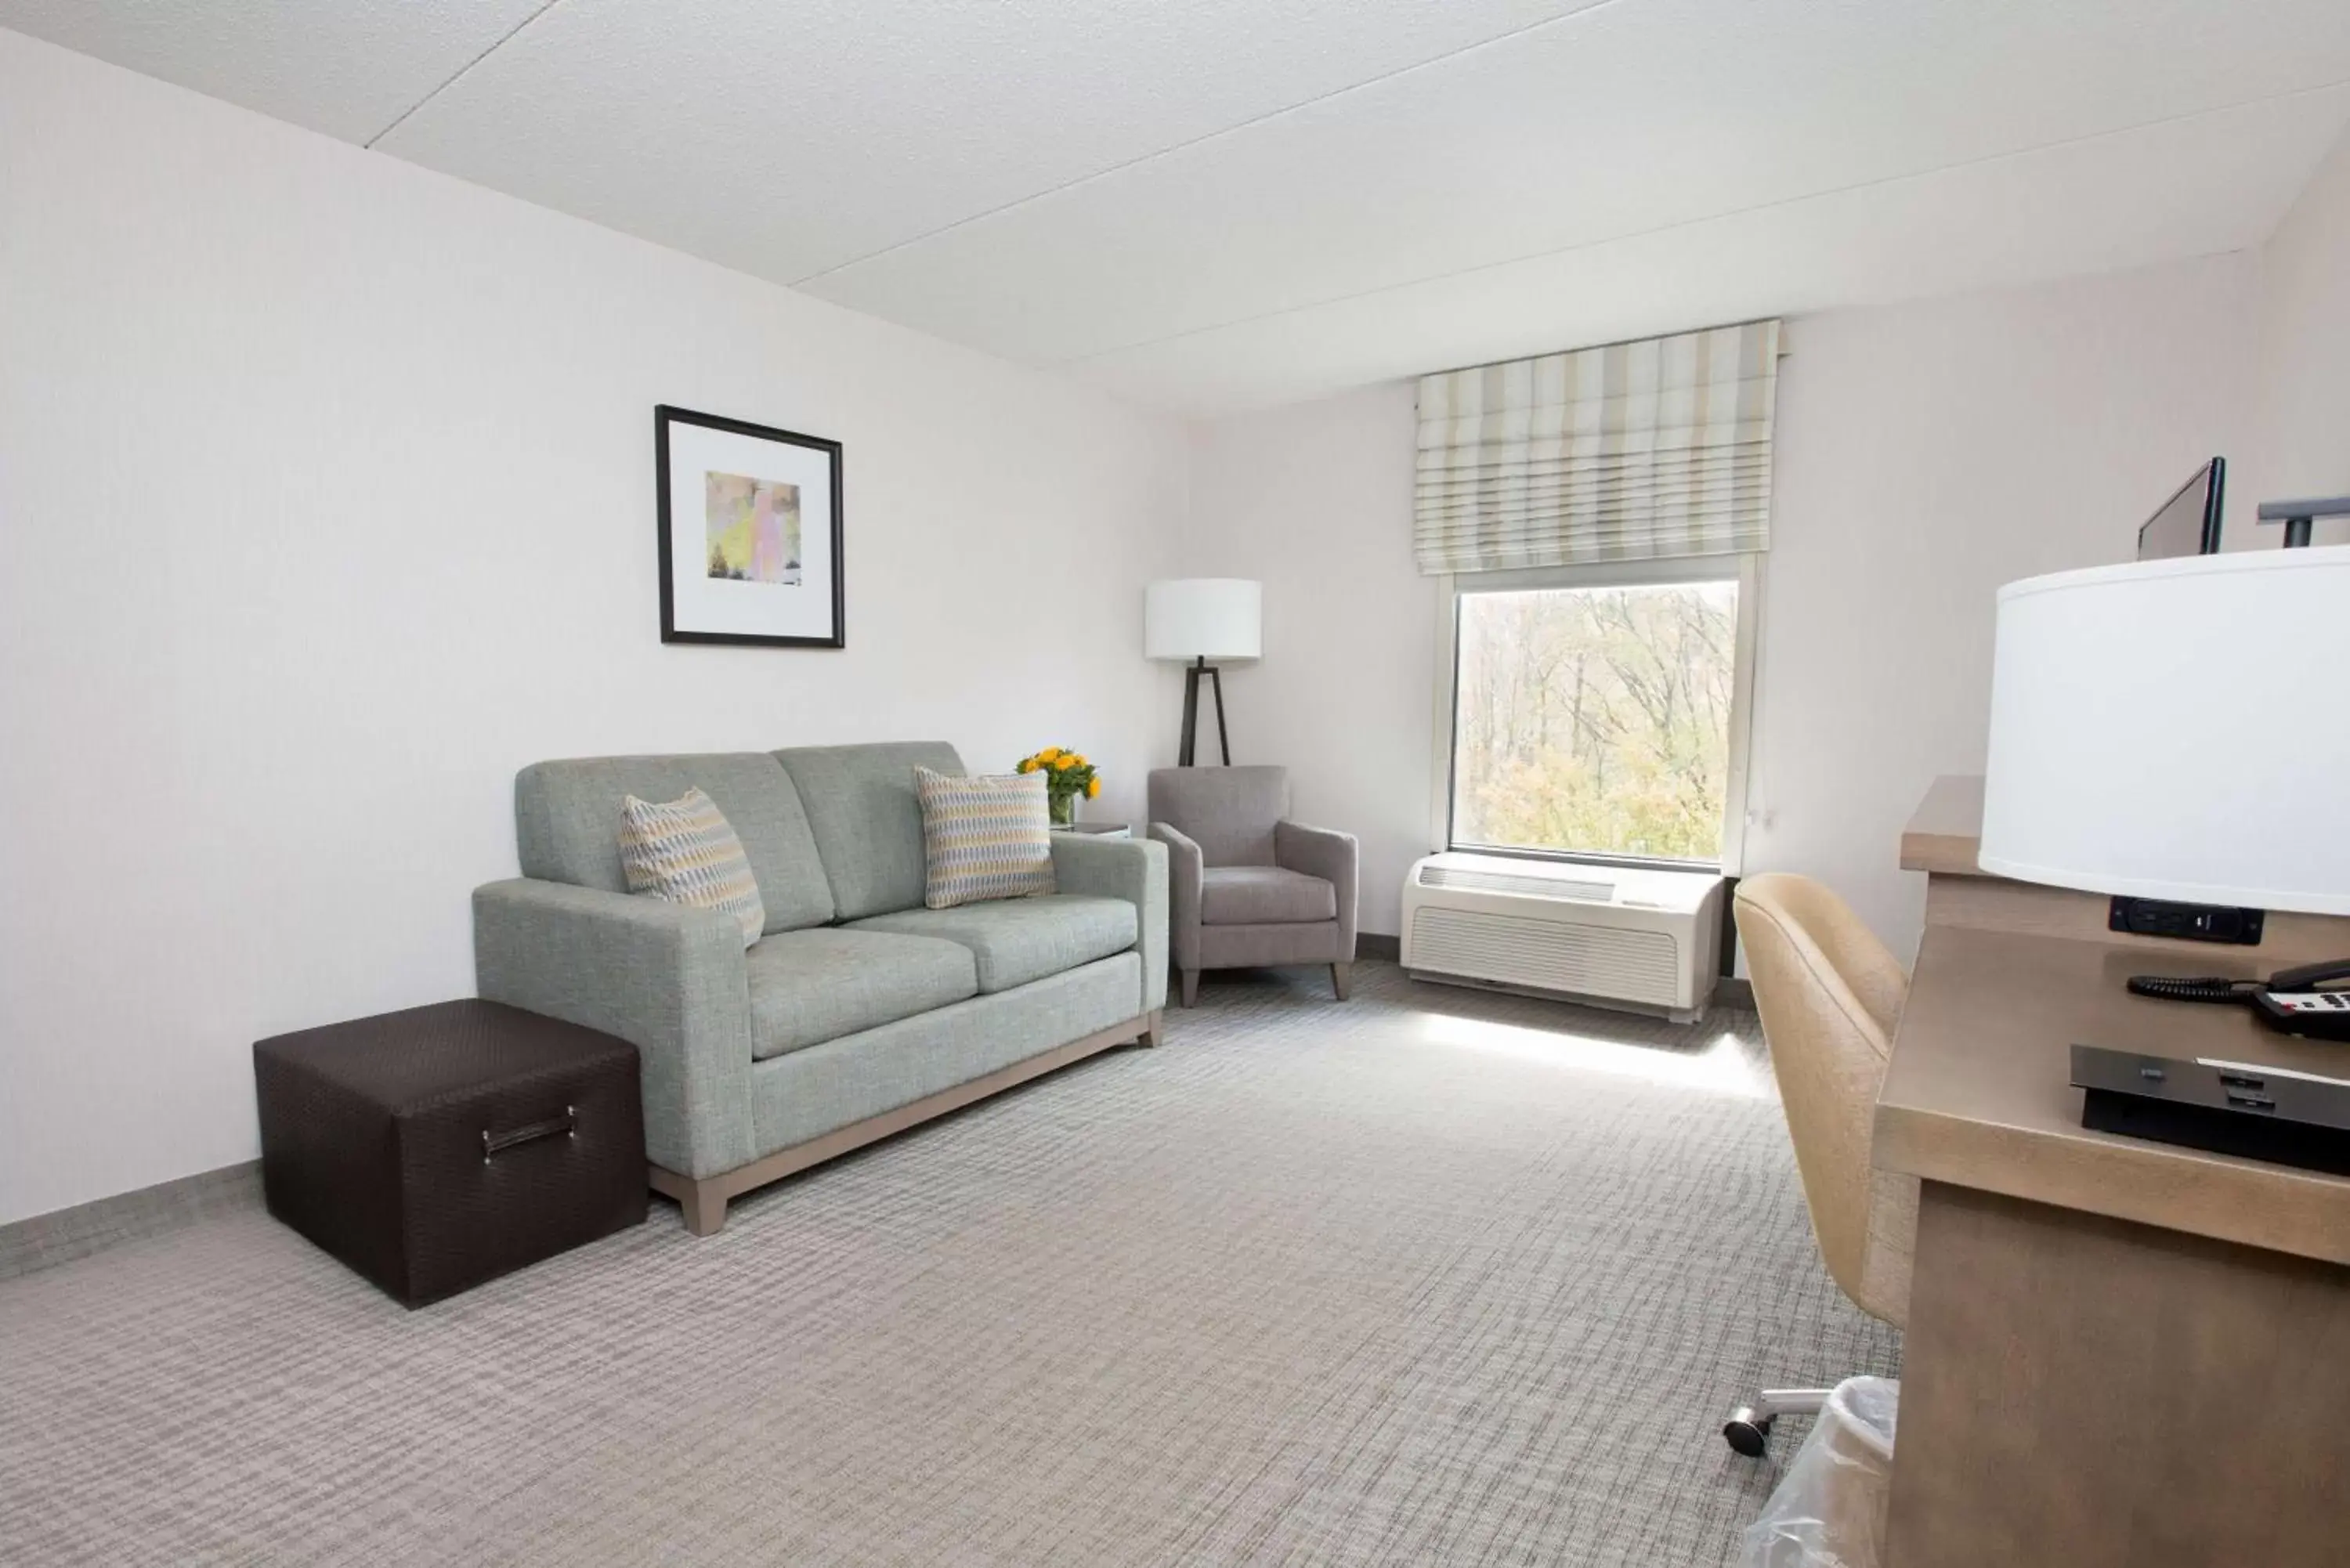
x: 1627, y: 453
x: 985, y: 836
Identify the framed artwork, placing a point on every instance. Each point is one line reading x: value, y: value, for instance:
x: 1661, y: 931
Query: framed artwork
x: 750, y: 533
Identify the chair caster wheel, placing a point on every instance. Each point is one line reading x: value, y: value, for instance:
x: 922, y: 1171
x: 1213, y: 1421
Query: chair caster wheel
x: 1747, y: 1433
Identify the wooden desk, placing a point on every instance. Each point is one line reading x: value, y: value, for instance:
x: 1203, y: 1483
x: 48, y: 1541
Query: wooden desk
x: 2118, y: 1352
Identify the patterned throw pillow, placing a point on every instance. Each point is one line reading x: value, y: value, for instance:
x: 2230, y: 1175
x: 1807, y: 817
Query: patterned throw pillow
x: 985, y: 837
x: 684, y: 850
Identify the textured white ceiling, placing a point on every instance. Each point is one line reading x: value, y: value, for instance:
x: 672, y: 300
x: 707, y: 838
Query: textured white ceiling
x: 789, y: 139
x: 2181, y: 189
x: 1229, y: 203
x: 343, y: 67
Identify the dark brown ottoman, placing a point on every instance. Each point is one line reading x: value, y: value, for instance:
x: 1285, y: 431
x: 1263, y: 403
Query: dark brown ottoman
x: 435, y: 1148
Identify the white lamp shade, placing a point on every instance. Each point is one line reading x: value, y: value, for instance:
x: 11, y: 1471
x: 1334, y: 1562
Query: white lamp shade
x: 1203, y: 617
x: 2174, y: 730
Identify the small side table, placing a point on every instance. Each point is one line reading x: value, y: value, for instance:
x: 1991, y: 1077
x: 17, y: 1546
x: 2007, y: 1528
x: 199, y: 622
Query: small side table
x: 1097, y: 830
x: 437, y: 1148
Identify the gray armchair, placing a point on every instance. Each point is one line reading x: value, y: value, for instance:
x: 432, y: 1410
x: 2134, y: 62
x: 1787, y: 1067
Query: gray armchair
x: 1245, y: 886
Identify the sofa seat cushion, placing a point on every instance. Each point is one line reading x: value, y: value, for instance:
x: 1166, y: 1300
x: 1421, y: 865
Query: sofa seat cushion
x: 1015, y: 940
x: 807, y: 987
x: 1263, y: 895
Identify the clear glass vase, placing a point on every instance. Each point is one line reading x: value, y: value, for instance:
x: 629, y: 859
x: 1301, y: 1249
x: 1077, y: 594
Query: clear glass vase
x: 1065, y: 810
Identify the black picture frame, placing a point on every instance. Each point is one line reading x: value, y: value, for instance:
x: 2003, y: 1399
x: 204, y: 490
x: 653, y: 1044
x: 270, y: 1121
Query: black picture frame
x: 666, y: 416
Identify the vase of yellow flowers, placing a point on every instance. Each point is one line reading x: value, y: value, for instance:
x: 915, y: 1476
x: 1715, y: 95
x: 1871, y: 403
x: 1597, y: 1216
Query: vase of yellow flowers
x: 1067, y: 777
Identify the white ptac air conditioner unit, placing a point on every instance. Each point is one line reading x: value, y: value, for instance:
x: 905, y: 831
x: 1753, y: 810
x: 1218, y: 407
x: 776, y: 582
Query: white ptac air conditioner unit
x: 1630, y: 938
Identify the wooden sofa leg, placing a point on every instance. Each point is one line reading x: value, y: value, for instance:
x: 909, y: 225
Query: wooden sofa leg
x: 705, y: 1209
x: 1342, y: 975
x: 1191, y: 987
x: 1151, y: 1029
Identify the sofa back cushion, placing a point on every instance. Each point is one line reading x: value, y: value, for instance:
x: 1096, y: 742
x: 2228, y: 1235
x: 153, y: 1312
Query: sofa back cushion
x: 866, y: 819
x: 568, y: 824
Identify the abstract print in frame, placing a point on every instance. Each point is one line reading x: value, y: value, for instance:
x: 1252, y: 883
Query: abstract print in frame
x: 750, y: 522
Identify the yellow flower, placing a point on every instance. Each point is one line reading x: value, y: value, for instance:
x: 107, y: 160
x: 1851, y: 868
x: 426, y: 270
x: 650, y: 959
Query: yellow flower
x: 1048, y: 754
x: 1064, y: 763
x: 1028, y: 764
x: 1078, y: 757
x: 1093, y: 788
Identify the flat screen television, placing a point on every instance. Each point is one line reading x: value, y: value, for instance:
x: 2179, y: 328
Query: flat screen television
x: 2188, y: 523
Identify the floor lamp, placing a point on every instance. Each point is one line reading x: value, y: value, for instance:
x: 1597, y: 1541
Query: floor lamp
x: 1195, y: 619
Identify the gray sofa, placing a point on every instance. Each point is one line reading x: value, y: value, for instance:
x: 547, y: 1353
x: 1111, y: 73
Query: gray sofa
x: 858, y: 1012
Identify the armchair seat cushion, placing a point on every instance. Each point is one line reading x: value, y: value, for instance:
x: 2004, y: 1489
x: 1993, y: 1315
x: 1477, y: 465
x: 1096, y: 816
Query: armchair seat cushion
x: 1015, y: 940
x: 808, y: 987
x: 1263, y: 895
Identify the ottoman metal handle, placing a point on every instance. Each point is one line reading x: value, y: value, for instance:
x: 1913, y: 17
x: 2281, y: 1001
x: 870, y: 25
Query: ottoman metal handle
x: 567, y: 1125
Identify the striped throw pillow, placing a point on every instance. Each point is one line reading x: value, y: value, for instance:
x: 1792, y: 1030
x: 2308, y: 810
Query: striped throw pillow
x: 684, y: 850
x: 985, y: 837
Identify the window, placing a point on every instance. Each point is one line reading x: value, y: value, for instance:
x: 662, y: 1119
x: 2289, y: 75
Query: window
x: 1601, y: 717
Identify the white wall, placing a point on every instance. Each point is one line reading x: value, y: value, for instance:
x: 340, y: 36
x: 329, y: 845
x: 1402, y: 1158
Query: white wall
x: 1315, y: 502
x: 1927, y: 454
x: 325, y: 503
x: 2305, y: 349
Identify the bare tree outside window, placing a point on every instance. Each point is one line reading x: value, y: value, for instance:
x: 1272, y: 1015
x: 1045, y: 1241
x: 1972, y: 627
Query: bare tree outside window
x: 1595, y: 719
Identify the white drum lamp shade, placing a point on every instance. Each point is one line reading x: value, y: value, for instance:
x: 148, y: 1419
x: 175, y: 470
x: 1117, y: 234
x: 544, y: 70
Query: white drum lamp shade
x: 2174, y: 730
x: 1203, y: 617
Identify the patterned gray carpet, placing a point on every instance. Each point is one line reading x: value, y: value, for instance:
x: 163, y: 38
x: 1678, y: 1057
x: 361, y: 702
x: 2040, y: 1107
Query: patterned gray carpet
x: 1430, y: 1277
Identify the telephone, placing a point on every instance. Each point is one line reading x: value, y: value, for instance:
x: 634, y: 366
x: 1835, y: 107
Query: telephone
x: 2313, y: 1000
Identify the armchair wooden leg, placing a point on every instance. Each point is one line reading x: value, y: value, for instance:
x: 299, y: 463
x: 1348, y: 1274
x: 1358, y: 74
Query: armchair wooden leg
x: 1342, y: 975
x: 1152, y: 1028
x: 1191, y: 987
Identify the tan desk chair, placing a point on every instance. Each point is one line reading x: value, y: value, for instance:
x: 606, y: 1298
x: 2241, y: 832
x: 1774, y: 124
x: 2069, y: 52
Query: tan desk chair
x: 1830, y: 995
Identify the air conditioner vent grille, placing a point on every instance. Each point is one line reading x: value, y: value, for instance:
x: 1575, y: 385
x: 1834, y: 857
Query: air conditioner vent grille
x: 1525, y: 884
x: 1634, y: 965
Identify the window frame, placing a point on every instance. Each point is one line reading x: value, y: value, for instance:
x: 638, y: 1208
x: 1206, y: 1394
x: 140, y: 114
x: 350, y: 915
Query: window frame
x: 1745, y: 569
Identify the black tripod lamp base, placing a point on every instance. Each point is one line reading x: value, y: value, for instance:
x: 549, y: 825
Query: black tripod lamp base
x: 1194, y: 673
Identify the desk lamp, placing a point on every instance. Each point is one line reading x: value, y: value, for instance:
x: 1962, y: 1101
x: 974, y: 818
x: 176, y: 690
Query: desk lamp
x: 2171, y: 732
x: 2300, y: 517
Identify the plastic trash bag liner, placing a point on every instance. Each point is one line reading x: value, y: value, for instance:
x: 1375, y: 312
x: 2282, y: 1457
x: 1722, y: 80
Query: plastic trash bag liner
x: 1829, y: 1510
